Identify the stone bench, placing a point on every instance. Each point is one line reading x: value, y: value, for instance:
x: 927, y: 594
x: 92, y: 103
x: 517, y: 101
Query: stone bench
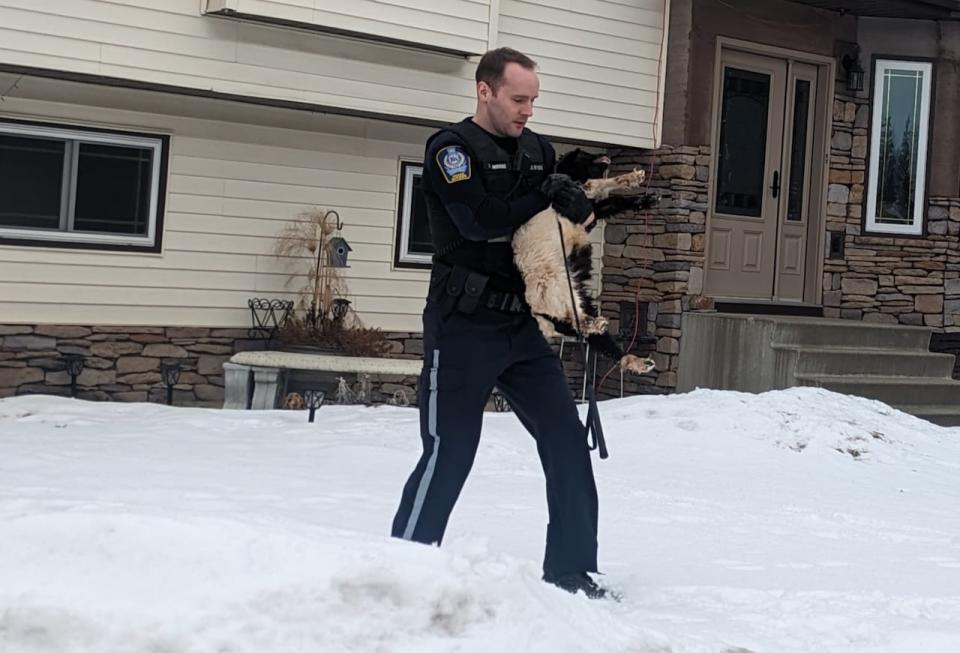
x: 266, y: 370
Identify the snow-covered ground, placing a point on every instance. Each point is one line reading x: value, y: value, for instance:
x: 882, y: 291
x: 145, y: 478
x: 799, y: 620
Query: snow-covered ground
x: 793, y: 521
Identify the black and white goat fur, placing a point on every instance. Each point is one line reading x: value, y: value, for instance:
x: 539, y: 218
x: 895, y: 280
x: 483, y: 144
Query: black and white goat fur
x: 540, y: 259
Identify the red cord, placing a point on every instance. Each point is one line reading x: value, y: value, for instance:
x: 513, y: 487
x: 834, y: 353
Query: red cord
x: 636, y: 297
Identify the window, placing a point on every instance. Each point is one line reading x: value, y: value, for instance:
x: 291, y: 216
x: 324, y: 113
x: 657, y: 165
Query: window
x: 898, y: 146
x: 79, y: 187
x: 743, y: 142
x: 413, y: 247
x: 798, y: 150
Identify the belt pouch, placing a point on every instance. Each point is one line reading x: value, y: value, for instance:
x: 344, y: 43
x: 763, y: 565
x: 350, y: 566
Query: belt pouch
x: 453, y: 288
x: 438, y: 282
x: 472, y: 290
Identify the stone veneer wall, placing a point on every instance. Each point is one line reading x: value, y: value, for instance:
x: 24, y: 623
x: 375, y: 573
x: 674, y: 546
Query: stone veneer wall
x: 889, y: 279
x: 657, y: 257
x: 123, y: 363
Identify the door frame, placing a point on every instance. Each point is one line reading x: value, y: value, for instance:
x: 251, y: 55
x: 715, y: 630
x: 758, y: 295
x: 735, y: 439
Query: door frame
x: 824, y: 108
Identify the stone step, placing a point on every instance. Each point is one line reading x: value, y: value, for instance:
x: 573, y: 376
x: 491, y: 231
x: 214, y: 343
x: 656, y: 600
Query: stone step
x: 822, y: 332
x: 941, y: 415
x: 894, y: 390
x: 867, y: 360
x: 755, y: 353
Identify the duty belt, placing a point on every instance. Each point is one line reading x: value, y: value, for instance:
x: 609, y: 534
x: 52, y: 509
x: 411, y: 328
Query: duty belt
x: 507, y: 302
x: 466, y: 291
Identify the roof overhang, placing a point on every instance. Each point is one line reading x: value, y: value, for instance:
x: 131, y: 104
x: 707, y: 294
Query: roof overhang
x: 918, y: 9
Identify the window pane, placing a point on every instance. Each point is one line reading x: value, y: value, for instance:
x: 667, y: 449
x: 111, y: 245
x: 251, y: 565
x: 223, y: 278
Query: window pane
x: 899, y: 136
x: 798, y: 150
x: 31, y: 182
x: 113, y: 189
x: 419, y: 242
x: 743, y: 142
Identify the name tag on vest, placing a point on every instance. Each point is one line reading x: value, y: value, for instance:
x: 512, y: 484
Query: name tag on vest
x: 497, y: 166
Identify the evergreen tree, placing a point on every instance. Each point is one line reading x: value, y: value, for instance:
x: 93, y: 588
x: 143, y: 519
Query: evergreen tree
x: 905, y: 168
x: 888, y: 181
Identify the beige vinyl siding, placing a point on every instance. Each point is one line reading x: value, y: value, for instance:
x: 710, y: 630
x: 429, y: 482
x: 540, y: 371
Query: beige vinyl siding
x: 599, y: 62
x: 171, y: 43
x: 231, y: 187
x: 454, y: 24
x: 599, y: 59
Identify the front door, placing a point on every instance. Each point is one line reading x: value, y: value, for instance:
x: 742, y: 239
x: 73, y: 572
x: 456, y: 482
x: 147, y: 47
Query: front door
x: 765, y: 190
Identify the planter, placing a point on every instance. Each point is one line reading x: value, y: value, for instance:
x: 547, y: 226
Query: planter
x: 329, y: 350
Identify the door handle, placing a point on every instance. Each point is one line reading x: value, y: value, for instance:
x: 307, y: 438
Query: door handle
x: 776, y: 183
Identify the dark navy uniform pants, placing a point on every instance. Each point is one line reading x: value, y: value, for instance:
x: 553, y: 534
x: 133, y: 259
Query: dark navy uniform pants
x: 465, y: 356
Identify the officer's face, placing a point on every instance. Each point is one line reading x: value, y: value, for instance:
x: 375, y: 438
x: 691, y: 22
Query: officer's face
x: 509, y: 108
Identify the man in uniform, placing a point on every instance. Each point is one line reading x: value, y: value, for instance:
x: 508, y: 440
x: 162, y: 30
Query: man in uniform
x: 482, y: 178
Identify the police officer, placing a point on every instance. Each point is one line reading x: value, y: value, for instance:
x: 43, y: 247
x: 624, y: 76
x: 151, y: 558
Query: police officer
x: 482, y: 178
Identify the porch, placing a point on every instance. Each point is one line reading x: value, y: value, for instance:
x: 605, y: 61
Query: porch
x: 776, y: 196
x: 886, y: 362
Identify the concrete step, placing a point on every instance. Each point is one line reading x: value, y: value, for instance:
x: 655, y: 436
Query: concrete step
x: 755, y: 353
x: 894, y: 390
x: 821, y: 332
x: 867, y: 360
x: 942, y: 415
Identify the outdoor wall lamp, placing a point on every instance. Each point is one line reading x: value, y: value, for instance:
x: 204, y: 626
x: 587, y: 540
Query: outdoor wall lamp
x: 170, y: 371
x: 340, y: 308
x: 74, y: 364
x: 313, y: 399
x: 851, y: 64
x: 500, y: 403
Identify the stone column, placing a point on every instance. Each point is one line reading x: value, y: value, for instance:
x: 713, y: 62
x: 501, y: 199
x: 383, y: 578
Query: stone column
x: 265, y: 388
x: 236, y: 385
x: 656, y: 258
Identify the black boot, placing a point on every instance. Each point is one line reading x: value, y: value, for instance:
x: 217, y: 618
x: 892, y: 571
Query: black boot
x: 577, y: 581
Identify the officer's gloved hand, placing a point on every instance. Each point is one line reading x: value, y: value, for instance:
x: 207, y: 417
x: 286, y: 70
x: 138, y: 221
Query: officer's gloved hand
x: 567, y: 197
x: 571, y: 203
x: 556, y: 182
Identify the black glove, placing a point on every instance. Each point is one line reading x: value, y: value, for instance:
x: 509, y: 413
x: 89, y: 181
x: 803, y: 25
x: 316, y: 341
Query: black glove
x: 555, y: 182
x: 571, y: 203
x: 567, y: 197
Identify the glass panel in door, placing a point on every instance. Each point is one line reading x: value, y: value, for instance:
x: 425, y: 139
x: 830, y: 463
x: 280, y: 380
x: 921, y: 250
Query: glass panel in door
x: 798, y: 149
x: 742, y: 238
x: 795, y: 232
x: 743, y: 140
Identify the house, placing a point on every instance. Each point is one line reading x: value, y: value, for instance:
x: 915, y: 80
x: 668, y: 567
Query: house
x: 805, y: 153
x: 150, y: 152
x: 808, y: 167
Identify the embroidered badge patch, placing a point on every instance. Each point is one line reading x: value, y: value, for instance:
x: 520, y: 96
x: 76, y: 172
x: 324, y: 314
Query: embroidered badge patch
x: 454, y: 163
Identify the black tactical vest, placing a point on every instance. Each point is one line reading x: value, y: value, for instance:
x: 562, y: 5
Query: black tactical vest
x: 504, y: 175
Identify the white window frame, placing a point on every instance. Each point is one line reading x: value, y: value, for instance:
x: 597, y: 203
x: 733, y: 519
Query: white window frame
x: 73, y: 137
x: 916, y: 226
x: 408, y: 169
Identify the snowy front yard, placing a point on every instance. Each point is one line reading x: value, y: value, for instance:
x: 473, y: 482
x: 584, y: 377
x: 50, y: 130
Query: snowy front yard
x: 794, y: 521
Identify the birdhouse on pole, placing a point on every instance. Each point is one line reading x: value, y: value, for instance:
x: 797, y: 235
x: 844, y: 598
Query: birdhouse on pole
x: 339, y: 250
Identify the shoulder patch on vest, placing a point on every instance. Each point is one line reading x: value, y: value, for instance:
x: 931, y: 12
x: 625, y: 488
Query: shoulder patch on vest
x: 454, y: 163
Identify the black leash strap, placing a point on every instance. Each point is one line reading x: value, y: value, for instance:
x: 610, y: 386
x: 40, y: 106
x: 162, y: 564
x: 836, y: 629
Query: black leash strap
x: 594, y: 428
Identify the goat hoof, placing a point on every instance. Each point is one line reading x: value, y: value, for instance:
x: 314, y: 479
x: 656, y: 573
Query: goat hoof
x: 632, y: 179
x: 637, y: 365
x: 595, y: 326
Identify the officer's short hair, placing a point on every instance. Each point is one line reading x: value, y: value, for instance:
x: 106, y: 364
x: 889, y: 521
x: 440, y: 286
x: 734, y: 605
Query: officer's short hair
x: 492, y: 64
